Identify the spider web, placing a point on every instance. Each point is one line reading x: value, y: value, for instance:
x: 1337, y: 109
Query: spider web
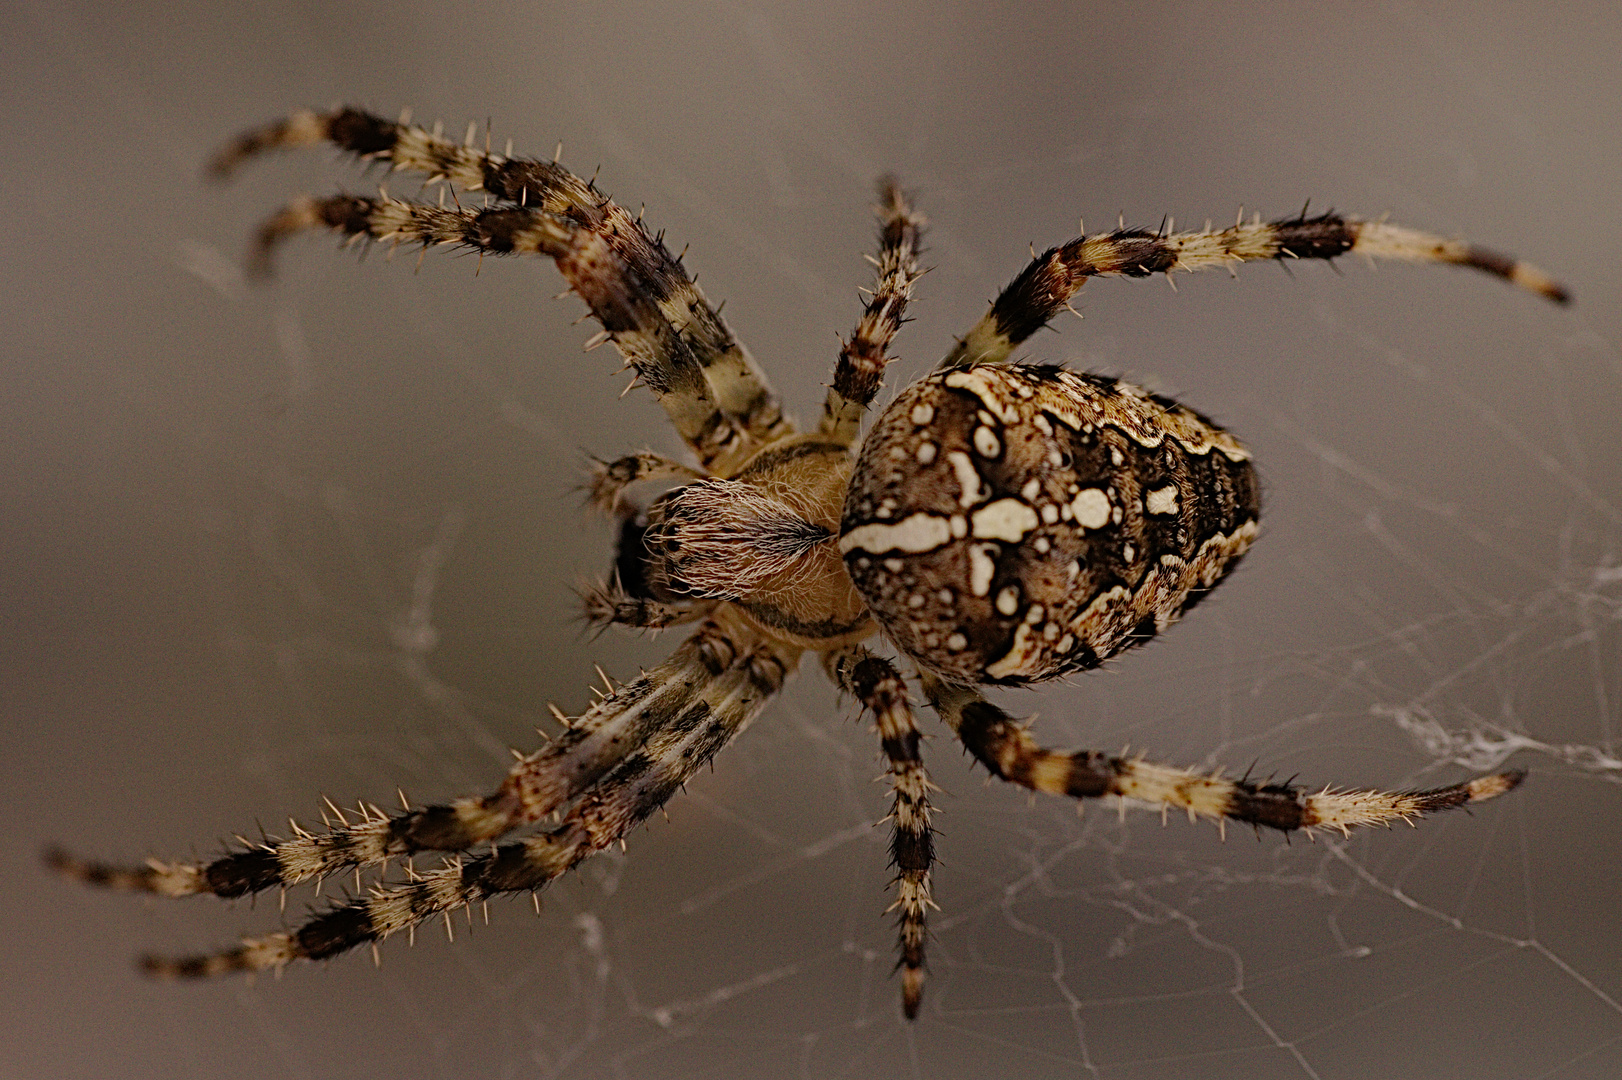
x: 321, y: 538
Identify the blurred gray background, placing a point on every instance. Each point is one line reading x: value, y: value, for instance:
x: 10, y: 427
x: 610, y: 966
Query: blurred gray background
x: 267, y: 543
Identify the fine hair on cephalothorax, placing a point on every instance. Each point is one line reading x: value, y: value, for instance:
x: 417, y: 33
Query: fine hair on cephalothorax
x: 1000, y: 524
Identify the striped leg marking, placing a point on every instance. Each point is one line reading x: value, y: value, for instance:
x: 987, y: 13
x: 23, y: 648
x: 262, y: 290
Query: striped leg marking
x: 874, y: 682
x: 1044, y: 288
x: 630, y: 317
x: 1004, y: 747
x: 860, y: 371
x: 686, y: 685
x: 636, y: 787
x: 740, y: 388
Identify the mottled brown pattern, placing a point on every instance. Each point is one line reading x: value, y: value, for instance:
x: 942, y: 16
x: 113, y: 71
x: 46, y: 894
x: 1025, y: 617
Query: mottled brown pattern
x: 1068, y: 591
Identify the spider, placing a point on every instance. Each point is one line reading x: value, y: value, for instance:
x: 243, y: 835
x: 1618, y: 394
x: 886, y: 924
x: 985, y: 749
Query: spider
x: 1001, y: 524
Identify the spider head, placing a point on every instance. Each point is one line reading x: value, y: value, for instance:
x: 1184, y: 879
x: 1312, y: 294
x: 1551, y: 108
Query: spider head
x: 725, y: 539
x: 762, y: 541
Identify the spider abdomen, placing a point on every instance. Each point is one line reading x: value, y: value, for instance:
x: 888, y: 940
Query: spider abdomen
x: 1009, y: 524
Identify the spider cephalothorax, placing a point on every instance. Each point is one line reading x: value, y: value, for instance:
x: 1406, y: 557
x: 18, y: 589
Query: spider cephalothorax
x: 1000, y: 524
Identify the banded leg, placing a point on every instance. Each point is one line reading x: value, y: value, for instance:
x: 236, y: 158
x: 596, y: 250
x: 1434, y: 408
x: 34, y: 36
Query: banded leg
x: 1044, y: 288
x: 860, y: 370
x: 629, y: 315
x: 1004, y: 747
x: 874, y: 682
x: 639, y: 785
x: 739, y: 386
x: 689, y: 684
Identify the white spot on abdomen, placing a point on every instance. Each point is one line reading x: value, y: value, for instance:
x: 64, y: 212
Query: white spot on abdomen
x: 1091, y: 508
x: 981, y: 569
x: 979, y: 383
x: 1162, y: 500
x: 968, y: 478
x: 1006, y: 519
x: 913, y: 534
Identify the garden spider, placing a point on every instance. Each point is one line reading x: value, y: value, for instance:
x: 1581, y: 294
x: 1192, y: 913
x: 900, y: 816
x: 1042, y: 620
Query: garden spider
x: 1001, y: 524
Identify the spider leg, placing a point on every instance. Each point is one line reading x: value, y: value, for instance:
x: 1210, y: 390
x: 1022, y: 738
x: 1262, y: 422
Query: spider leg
x: 1005, y: 747
x: 609, y: 479
x: 691, y: 683
x: 860, y: 370
x: 740, y: 388
x: 874, y: 682
x: 630, y: 314
x: 641, y: 783
x: 1044, y: 288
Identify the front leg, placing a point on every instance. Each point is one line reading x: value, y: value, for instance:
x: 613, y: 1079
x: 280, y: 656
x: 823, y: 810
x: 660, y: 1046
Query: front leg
x: 742, y: 393
x: 625, y: 304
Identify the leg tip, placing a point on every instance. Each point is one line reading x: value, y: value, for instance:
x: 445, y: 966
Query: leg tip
x: 912, y: 992
x: 1490, y: 787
